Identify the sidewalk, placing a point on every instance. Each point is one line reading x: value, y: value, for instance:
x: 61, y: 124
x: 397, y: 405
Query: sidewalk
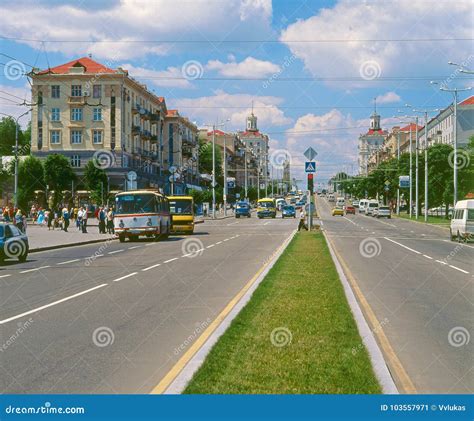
x: 41, y: 239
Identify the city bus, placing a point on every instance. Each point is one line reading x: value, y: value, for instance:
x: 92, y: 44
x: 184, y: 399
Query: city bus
x: 182, y: 214
x: 141, y: 213
x: 266, y: 208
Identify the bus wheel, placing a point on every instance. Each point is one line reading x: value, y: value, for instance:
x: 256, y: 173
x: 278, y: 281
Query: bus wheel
x: 121, y: 238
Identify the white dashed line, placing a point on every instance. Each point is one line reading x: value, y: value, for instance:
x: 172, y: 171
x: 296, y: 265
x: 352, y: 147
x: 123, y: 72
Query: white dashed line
x: 170, y: 260
x: 125, y: 277
x: 32, y: 270
x: 428, y: 257
x: 440, y: 261
x: 150, y: 244
x: 4, y: 276
x: 212, y: 245
x: 227, y: 239
x: 134, y: 247
x: 219, y: 242
x: 151, y: 267
x: 402, y: 245
x: 115, y: 251
x: 62, y: 300
x: 68, y: 261
x: 347, y: 219
x: 194, y: 253
x: 459, y: 269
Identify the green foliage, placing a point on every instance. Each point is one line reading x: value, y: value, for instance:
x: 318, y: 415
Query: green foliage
x: 96, y: 181
x: 7, y: 137
x: 205, y: 160
x: 58, y: 175
x: 30, y: 178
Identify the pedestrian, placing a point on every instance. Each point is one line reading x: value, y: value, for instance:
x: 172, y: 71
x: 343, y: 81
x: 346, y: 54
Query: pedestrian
x: 66, y: 217
x: 24, y: 225
x: 110, y: 221
x: 19, y: 220
x: 80, y: 214
x: 302, y: 223
x: 48, y: 218
x: 84, y: 220
x: 101, y: 216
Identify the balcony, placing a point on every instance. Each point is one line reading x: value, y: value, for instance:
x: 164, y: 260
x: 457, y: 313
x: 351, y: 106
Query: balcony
x: 136, y: 108
x: 155, y: 117
x: 76, y: 100
x: 146, y: 134
x: 136, y: 129
x: 154, y: 138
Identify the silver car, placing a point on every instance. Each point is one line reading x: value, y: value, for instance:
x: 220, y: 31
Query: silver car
x: 383, y: 212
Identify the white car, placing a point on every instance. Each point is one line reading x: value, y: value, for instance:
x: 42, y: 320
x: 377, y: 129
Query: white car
x: 371, y: 206
x: 383, y: 212
x: 462, y: 222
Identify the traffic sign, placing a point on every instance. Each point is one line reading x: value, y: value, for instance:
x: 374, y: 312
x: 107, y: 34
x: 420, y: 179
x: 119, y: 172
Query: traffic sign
x: 131, y: 175
x: 310, y: 154
x: 310, y: 167
x: 387, y: 183
x: 386, y: 188
x: 404, y: 181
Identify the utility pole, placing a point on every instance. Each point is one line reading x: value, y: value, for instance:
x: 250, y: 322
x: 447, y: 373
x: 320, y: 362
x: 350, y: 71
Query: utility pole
x: 245, y: 172
x: 398, y: 159
x: 214, y: 171
x: 225, y: 176
x: 411, y: 171
x: 416, y: 167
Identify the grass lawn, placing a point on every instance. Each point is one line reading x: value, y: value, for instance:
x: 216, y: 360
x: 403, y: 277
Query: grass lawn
x: 438, y: 220
x: 301, y: 299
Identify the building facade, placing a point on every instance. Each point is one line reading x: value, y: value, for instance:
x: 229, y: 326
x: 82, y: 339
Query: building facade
x: 369, y: 143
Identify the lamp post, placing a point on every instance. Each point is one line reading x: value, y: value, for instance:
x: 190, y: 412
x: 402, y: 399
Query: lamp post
x: 410, y: 123
x: 454, y: 91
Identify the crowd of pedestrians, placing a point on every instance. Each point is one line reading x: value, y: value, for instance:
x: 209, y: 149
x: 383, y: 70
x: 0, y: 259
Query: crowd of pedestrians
x: 62, y: 217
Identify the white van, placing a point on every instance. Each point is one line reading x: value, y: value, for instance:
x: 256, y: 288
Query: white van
x: 340, y: 201
x: 371, y: 206
x: 462, y: 222
x: 331, y: 198
x: 362, y: 205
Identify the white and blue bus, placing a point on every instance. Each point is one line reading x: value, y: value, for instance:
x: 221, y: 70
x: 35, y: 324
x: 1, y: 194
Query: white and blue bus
x: 142, y: 213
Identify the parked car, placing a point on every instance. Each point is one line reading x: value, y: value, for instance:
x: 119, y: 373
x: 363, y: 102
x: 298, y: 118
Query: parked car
x: 242, y: 209
x: 13, y: 243
x: 288, y: 211
x: 355, y: 203
x: 300, y: 204
x: 383, y: 212
x: 338, y: 210
x: 350, y: 209
x: 462, y: 222
x: 375, y: 211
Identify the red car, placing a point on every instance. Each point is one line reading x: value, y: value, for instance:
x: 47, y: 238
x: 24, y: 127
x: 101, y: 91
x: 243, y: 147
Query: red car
x: 350, y: 209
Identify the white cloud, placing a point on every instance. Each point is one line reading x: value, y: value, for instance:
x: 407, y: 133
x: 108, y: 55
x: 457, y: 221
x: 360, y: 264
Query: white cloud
x: 250, y: 67
x: 133, y: 20
x: 172, y: 77
x: 376, y: 20
x: 388, y: 98
x: 10, y: 98
x: 222, y: 105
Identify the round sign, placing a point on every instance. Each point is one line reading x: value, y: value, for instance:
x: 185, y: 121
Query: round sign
x: 131, y: 176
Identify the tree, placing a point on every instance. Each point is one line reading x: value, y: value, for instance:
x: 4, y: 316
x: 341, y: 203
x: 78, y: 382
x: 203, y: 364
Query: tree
x: 96, y: 180
x: 7, y: 137
x: 205, y: 159
x: 58, y: 175
x: 30, y: 178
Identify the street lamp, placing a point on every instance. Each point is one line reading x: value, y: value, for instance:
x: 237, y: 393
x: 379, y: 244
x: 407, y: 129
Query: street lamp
x: 410, y: 122
x: 454, y: 91
x: 225, y: 169
x: 15, y: 188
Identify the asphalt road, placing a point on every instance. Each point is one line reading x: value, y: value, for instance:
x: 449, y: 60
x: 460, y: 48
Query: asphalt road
x: 115, y: 317
x: 420, y: 287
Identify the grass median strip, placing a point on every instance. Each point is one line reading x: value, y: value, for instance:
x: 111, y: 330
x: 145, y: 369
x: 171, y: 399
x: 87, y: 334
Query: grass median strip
x: 296, y: 335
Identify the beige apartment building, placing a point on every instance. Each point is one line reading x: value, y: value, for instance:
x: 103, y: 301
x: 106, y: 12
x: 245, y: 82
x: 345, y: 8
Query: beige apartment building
x: 86, y: 110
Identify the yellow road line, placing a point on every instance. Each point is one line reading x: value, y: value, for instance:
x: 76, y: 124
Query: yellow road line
x: 394, y: 363
x: 181, y: 363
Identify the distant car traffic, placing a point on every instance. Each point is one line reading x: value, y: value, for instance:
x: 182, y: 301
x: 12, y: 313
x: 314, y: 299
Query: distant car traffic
x: 462, y: 223
x: 350, y: 209
x: 371, y: 206
x: 13, y: 243
x: 383, y: 212
x: 288, y: 211
x: 242, y: 209
x: 338, y: 210
x: 362, y: 205
x: 300, y: 204
x: 355, y: 203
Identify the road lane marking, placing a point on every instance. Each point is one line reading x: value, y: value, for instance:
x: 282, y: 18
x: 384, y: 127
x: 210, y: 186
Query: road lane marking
x: 459, y: 269
x: 151, y: 244
x: 134, y: 247
x: 151, y: 267
x: 170, y: 260
x: 428, y: 257
x: 347, y: 219
x: 219, y: 242
x: 440, y: 261
x: 402, y: 245
x: 68, y: 261
x: 125, y: 277
x: 266, y: 223
x: 4, y: 276
x: 211, y: 245
x: 193, y: 253
x: 96, y: 255
x: 227, y: 239
x: 115, y: 251
x: 62, y: 300
x: 233, y: 223
x: 32, y: 270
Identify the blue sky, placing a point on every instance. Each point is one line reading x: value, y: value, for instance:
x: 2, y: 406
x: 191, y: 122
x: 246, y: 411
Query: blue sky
x: 358, y: 50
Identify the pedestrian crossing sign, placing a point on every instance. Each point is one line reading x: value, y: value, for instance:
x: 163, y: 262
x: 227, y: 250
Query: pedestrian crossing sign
x: 310, y: 167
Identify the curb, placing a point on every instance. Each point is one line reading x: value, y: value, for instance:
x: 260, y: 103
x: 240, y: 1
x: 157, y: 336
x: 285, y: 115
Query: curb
x: 426, y: 224
x: 60, y: 246
x: 179, y: 383
x: 375, y: 353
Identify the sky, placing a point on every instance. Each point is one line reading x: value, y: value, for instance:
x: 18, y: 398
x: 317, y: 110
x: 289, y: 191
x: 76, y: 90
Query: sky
x: 310, y: 68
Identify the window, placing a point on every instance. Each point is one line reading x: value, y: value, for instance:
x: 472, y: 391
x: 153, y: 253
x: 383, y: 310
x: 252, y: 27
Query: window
x: 76, y: 114
x: 55, y: 137
x: 97, y: 91
x: 40, y: 98
x: 55, y: 114
x: 75, y: 161
x: 76, y: 90
x: 97, y: 114
x: 55, y: 91
x: 76, y: 136
x: 97, y: 136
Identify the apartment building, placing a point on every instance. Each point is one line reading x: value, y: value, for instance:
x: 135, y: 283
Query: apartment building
x: 369, y: 144
x: 84, y: 110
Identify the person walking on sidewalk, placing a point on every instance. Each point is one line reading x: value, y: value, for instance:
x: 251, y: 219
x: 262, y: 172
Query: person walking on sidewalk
x: 101, y: 218
x: 84, y: 220
x: 110, y: 221
x: 19, y: 220
x: 65, y: 219
x: 80, y: 215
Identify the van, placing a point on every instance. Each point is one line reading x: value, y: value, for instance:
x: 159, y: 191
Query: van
x: 362, y: 205
x: 340, y: 201
x: 462, y: 222
x: 331, y: 198
x: 369, y: 208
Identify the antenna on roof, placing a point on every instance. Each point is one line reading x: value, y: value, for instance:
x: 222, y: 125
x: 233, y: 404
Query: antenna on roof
x: 252, y: 106
x: 89, y: 55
